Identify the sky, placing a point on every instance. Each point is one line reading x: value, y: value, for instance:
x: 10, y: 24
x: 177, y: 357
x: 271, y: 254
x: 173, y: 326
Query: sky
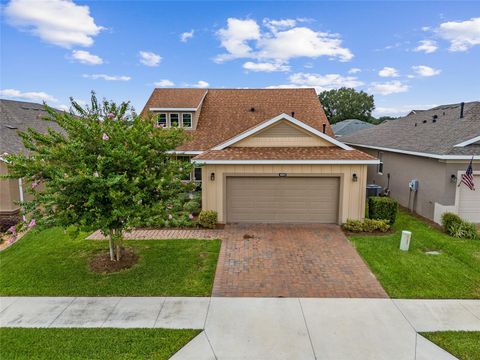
x: 409, y: 55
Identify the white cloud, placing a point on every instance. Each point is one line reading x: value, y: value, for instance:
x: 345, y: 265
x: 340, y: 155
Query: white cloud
x: 36, y: 96
x: 388, y: 72
x: 423, y: 70
x: 389, y: 87
x: 427, y: 46
x: 149, y: 58
x: 184, y: 37
x: 282, y: 24
x: 425, y: 28
x: 86, y: 57
x: 400, y: 110
x: 462, y: 34
x: 200, y: 84
x: 107, y: 77
x: 164, y: 83
x: 281, y: 41
x: 63, y: 107
x: 265, y: 67
x: 58, y: 22
x: 354, y: 71
x: 319, y: 82
x: 235, y: 36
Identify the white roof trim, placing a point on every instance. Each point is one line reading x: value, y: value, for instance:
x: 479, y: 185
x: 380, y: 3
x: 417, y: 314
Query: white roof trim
x: 273, y: 121
x: 468, y: 142
x: 289, y: 162
x: 172, y: 109
x: 184, y: 152
x: 415, y: 153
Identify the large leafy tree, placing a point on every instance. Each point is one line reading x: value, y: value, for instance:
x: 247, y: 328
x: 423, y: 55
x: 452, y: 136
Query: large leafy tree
x: 108, y: 169
x: 346, y: 103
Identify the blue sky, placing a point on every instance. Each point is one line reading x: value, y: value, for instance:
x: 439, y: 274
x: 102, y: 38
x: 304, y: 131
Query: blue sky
x: 408, y: 54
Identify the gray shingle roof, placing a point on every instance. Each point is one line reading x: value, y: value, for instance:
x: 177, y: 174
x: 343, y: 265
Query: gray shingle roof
x: 350, y: 126
x: 420, y: 132
x: 18, y: 116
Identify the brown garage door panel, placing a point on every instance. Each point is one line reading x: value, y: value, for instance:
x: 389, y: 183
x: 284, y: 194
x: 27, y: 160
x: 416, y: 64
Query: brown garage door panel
x: 282, y: 199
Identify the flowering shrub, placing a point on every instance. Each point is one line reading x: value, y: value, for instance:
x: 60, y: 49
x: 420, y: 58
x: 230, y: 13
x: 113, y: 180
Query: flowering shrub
x: 208, y: 219
x: 109, y: 169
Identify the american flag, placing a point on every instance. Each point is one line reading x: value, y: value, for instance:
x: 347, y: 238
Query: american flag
x: 467, y: 178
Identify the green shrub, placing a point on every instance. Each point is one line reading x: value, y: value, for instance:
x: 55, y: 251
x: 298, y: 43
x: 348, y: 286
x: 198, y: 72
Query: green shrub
x: 367, y: 225
x: 454, y: 226
x: 208, y: 219
x: 192, y: 206
x: 382, y: 207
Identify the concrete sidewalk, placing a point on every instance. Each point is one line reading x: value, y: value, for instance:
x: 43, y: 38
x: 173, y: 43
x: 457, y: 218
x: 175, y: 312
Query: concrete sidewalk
x: 264, y: 328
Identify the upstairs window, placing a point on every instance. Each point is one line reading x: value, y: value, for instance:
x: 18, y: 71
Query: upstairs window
x: 162, y: 120
x: 187, y: 120
x: 174, y: 120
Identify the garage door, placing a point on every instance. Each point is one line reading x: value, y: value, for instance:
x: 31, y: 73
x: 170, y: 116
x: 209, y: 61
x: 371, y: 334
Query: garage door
x: 469, y: 202
x: 282, y: 199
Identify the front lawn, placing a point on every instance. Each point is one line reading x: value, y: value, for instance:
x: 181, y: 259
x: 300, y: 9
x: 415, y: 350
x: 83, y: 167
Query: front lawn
x: 159, y: 344
x: 464, y: 345
x: 455, y: 273
x: 50, y: 263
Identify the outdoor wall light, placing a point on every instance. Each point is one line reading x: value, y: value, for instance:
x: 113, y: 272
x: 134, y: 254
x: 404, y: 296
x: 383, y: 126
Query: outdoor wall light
x: 212, y: 176
x: 453, y: 179
x: 354, y: 177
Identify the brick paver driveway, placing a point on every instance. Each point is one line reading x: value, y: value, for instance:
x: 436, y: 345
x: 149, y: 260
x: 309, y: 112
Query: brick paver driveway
x: 291, y: 261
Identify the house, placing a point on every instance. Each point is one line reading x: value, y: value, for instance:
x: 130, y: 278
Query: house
x: 349, y: 126
x: 16, y: 116
x: 433, y: 147
x: 265, y: 155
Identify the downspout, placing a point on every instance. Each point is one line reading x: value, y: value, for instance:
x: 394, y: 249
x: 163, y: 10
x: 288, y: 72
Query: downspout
x: 20, y: 193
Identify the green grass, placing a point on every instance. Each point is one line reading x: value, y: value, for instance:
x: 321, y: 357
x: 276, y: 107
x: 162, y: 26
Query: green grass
x: 17, y: 343
x: 464, y: 345
x: 50, y: 263
x: 413, y: 274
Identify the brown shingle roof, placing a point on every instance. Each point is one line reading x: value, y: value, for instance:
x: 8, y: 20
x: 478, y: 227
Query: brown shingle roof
x: 433, y: 131
x: 174, y: 98
x: 284, y: 153
x: 226, y: 113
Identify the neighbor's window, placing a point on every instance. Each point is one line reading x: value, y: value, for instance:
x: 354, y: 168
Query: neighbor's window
x: 174, y: 120
x: 162, y: 120
x: 380, y: 166
x: 197, y: 173
x: 187, y: 120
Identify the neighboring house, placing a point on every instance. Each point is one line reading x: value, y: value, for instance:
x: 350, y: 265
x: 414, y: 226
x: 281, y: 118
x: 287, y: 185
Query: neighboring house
x: 350, y: 126
x: 434, y: 147
x: 266, y: 155
x: 16, y: 116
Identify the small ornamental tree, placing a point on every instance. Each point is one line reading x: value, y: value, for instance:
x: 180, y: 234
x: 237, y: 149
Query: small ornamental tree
x: 108, y: 169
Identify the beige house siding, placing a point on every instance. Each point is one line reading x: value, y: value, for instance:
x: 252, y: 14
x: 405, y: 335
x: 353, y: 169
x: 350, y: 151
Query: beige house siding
x: 352, y: 194
x: 434, y: 176
x: 282, y: 134
x: 9, y: 193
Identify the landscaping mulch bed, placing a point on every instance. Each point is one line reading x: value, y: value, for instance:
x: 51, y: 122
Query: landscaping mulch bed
x: 102, y: 263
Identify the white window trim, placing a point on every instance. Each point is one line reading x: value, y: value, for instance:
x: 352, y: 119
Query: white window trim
x: 287, y: 162
x: 415, y: 153
x: 170, y: 120
x: 274, y: 120
x: 173, y: 109
x: 468, y: 142
x: 191, y: 120
x: 380, y: 163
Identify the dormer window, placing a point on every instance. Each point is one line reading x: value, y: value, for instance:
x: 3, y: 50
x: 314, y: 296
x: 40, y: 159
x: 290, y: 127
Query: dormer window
x: 162, y: 120
x: 174, y: 120
x: 187, y: 120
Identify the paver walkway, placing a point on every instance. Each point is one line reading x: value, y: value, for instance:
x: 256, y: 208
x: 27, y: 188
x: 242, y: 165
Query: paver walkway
x: 292, y: 261
x: 278, y: 260
x: 264, y: 328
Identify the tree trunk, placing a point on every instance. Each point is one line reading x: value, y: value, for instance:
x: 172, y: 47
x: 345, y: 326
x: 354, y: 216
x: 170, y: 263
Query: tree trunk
x: 119, y: 251
x: 116, y: 244
x: 110, y: 245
